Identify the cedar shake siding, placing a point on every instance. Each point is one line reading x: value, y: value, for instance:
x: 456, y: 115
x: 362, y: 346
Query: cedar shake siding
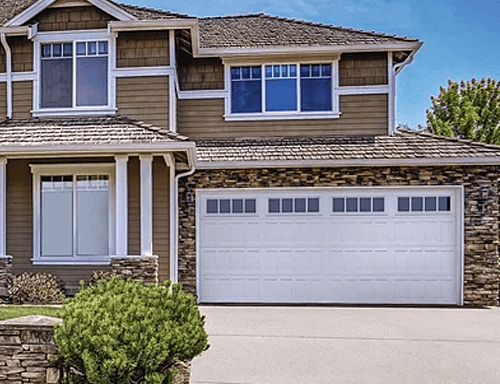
x: 142, y: 49
x: 3, y: 60
x: 71, y: 18
x: 144, y: 98
x: 20, y: 219
x: 361, y: 115
x: 357, y: 69
x: 22, y: 54
x: 3, y: 100
x: 22, y: 92
x: 201, y: 74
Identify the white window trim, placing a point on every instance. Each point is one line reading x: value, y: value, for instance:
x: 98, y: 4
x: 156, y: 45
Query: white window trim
x: 64, y: 169
x: 59, y: 37
x: 284, y: 115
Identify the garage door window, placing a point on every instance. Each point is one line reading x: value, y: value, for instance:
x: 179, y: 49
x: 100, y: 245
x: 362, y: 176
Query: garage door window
x: 293, y: 205
x: 427, y: 204
x: 231, y: 206
x: 361, y: 204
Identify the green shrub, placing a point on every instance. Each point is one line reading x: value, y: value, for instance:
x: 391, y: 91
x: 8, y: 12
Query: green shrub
x: 99, y: 275
x: 122, y: 331
x: 36, y: 288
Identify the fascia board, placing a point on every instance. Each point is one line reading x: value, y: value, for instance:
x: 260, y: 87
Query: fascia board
x: 347, y: 163
x: 15, y: 30
x: 141, y: 25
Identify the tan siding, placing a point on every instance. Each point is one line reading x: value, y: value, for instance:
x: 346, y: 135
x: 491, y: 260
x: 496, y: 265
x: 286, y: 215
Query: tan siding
x: 134, y: 208
x: 161, y: 216
x: 3, y: 101
x: 200, y: 74
x: 363, y: 69
x: 22, y: 54
x: 20, y: 228
x: 23, y: 99
x: 71, y: 18
x: 3, y: 60
x: 142, y: 49
x: 361, y: 115
x: 144, y: 98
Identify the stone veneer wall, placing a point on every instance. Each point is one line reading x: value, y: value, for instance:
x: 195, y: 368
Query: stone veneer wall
x: 26, y: 349
x: 5, y: 277
x: 481, y: 272
x: 143, y: 268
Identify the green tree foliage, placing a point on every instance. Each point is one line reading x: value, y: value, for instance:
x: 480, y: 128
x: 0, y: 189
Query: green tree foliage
x: 123, y: 332
x: 467, y: 110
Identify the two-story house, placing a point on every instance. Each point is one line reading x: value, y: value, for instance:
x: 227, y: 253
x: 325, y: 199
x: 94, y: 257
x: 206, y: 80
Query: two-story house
x: 251, y: 158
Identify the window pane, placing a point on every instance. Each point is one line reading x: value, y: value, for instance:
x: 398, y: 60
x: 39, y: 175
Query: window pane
x: 246, y: 96
x: 417, y: 204
x: 274, y: 205
x: 444, y: 203
x: 103, y: 48
x: 212, y: 206
x: 46, y: 50
x: 235, y: 73
x: 281, y: 95
x: 250, y: 206
x: 225, y: 206
x: 256, y: 73
x: 67, y: 50
x: 316, y: 71
x: 269, y: 71
x: 92, y: 81
x: 378, y: 204
x: 403, y: 204
x: 326, y: 70
x: 92, y: 216
x: 305, y: 70
x: 316, y: 95
x: 287, y: 205
x: 238, y: 206
x: 56, y: 50
x: 81, y: 49
x: 293, y: 70
x: 56, y: 83
x: 300, y: 205
x: 430, y: 204
x: 351, y: 204
x: 245, y: 72
x: 91, y: 48
x: 313, y: 205
x: 365, y: 204
x: 57, y: 217
x: 276, y: 71
x: 338, y: 204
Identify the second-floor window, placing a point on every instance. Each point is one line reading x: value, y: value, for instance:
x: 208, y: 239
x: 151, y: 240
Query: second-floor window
x: 281, y: 88
x: 74, y: 74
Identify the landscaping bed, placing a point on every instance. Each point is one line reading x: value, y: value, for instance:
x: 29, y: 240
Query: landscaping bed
x: 14, y: 311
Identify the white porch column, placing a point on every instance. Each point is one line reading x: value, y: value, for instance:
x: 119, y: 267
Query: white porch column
x: 146, y: 205
x: 121, y: 210
x: 3, y: 206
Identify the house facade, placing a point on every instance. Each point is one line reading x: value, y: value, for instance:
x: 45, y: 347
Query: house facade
x: 254, y: 159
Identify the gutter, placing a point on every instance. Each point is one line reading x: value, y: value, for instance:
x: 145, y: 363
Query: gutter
x: 8, y: 54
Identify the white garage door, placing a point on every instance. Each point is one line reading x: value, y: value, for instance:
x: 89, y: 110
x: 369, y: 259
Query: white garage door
x: 302, y: 245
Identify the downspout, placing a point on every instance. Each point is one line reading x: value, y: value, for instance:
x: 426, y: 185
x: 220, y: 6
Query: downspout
x: 174, y: 213
x: 8, y: 54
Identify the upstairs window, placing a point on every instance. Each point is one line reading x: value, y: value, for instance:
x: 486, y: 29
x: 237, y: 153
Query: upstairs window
x: 74, y: 74
x: 271, y: 89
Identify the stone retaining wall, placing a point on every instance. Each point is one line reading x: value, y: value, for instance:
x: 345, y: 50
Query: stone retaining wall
x: 26, y: 349
x: 143, y: 268
x: 481, y: 273
x: 5, y: 277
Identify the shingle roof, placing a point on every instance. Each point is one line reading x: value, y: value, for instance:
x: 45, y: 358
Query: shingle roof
x: 403, y: 145
x: 261, y: 30
x: 81, y: 131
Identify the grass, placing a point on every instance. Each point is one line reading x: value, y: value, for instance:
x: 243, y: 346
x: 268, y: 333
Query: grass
x: 13, y: 311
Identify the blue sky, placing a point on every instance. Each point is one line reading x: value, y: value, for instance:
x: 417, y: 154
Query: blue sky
x: 461, y: 38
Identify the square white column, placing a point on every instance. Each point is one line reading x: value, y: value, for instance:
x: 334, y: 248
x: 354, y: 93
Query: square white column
x: 3, y: 206
x: 121, y: 225
x: 146, y: 205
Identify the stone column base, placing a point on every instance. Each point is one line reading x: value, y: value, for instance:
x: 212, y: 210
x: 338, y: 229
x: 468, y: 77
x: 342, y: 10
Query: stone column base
x: 144, y: 268
x: 5, y: 278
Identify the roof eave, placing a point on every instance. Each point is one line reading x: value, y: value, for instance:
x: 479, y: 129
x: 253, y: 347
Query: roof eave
x: 141, y: 25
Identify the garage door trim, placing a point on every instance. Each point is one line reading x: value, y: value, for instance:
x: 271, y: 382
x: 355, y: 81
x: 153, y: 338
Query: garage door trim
x: 458, y: 204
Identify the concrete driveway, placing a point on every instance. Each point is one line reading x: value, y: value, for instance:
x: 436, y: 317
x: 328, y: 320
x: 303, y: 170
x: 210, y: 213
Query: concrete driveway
x: 260, y: 345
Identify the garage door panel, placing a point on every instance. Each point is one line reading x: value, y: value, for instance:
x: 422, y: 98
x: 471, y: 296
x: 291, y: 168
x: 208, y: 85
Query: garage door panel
x: 326, y: 256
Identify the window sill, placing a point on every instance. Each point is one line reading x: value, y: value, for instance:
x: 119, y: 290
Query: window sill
x: 96, y: 260
x: 90, y: 111
x: 282, y: 116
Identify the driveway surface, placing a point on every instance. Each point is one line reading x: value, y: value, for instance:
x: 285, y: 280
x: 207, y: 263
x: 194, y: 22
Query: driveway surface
x: 261, y: 345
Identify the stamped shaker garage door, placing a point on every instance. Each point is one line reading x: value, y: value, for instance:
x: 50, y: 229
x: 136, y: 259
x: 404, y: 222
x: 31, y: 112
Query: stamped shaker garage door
x: 325, y: 245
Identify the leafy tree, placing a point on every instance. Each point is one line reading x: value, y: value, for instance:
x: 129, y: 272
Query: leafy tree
x: 467, y: 110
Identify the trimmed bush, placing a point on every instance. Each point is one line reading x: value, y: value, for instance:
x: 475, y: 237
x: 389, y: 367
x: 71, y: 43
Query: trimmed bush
x: 122, y: 331
x: 37, y: 288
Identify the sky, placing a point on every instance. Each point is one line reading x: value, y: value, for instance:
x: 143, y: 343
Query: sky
x: 461, y: 38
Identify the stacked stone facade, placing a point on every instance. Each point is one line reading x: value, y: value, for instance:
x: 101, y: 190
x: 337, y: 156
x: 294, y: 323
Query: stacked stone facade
x: 26, y: 350
x: 481, y: 266
x: 5, y: 277
x: 143, y: 268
